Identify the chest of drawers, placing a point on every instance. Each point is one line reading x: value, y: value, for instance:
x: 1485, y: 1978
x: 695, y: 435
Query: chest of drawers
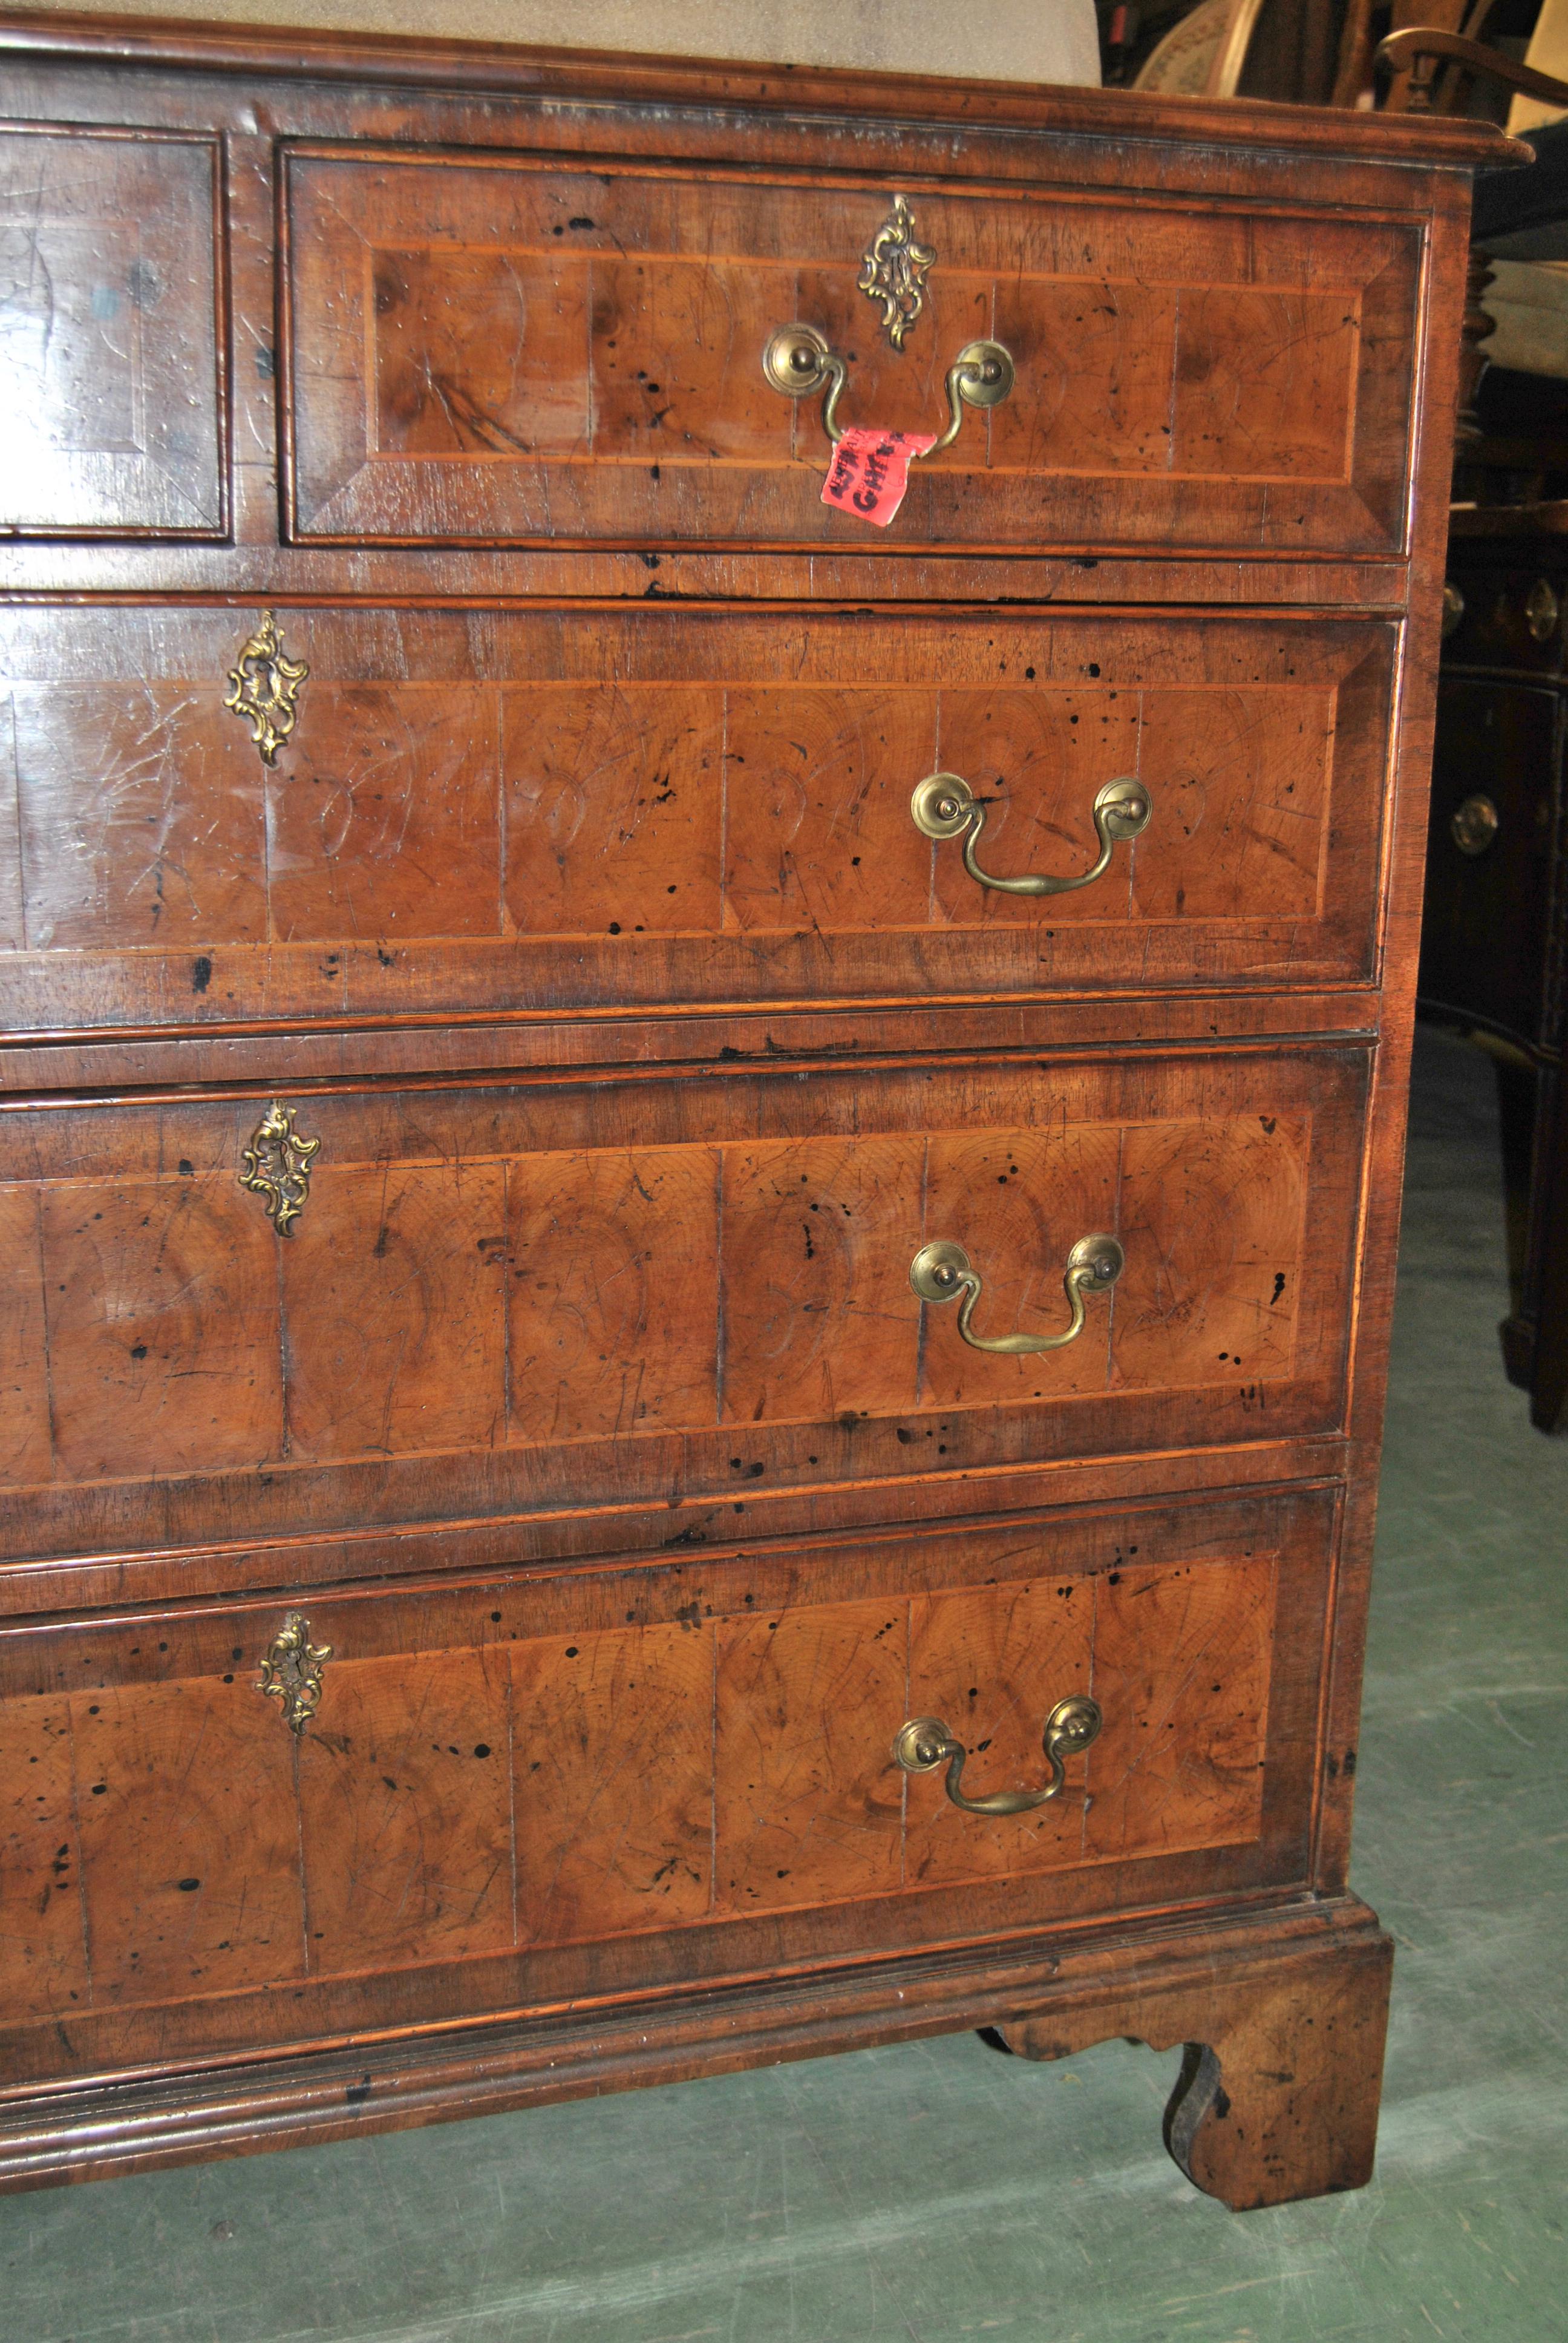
x: 697, y: 1201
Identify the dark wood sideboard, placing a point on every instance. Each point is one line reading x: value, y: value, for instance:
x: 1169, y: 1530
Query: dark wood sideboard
x: 1494, y: 952
x: 613, y: 1361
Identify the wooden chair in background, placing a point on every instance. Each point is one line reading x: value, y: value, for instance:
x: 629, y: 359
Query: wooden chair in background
x: 1203, y: 54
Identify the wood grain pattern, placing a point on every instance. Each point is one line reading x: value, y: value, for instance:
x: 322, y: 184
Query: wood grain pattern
x: 819, y: 1316
x: 503, y: 1769
x: 1018, y: 1200
x: 1181, y: 1662
x: 580, y: 633
x: 614, y: 809
x: 1036, y: 760
x: 818, y: 832
x: 474, y: 353
x: 807, y: 1808
x: 721, y: 1309
x: 405, y: 1811
x: 590, y: 367
x: 394, y: 1316
x: 369, y: 64
x: 142, y: 820
x: 613, y: 1781
x: 1245, y: 784
x: 1278, y: 2090
x: 1295, y: 2000
x: 525, y: 1527
x: 384, y: 821
x: 562, y: 1042
x: 992, y: 1662
x: 1211, y: 1216
x: 506, y: 812
x: 12, y: 925
x: 162, y: 1309
x: 114, y: 417
x: 521, y: 1617
x: 613, y: 1296
x: 43, y: 1955
x: 190, y: 1845
x: 1374, y: 1286
x: 24, y: 1435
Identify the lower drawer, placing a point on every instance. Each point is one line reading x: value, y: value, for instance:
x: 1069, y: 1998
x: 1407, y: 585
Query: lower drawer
x: 517, y: 1790
x: 537, y: 1297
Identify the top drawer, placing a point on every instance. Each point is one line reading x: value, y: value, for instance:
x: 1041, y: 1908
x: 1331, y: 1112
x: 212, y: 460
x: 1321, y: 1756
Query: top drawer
x: 500, y: 349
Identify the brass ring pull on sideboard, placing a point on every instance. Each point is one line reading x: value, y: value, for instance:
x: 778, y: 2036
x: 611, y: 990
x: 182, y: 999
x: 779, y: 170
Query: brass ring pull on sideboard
x: 944, y: 806
x: 943, y: 1271
x: 925, y: 1742
x: 798, y: 362
x: 1473, y: 825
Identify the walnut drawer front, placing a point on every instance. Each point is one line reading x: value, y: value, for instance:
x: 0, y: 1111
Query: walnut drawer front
x: 512, y: 810
x: 455, y: 1301
x: 497, y: 349
x: 115, y: 413
x: 651, y: 1774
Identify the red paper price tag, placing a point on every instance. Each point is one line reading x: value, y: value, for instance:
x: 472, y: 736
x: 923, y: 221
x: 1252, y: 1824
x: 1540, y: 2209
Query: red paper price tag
x: 871, y: 471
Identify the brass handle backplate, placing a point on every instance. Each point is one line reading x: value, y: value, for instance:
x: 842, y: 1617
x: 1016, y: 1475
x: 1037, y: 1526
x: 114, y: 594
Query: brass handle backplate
x: 292, y: 1667
x: 925, y: 1742
x: 943, y: 1271
x: 1541, y: 611
x: 1473, y: 825
x: 944, y: 806
x: 798, y: 361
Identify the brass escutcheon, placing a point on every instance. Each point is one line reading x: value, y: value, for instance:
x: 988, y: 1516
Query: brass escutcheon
x: 1473, y: 825
x: 798, y: 362
x: 925, y: 1742
x: 944, y: 806
x: 943, y: 1271
x: 292, y: 1668
x: 264, y: 687
x: 894, y: 272
x: 277, y: 1166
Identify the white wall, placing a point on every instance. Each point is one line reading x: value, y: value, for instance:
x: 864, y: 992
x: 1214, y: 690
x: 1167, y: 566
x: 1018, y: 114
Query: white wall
x: 1001, y: 40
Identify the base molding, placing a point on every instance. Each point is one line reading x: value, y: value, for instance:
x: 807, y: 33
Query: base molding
x: 1282, y: 2011
x: 1278, y: 2090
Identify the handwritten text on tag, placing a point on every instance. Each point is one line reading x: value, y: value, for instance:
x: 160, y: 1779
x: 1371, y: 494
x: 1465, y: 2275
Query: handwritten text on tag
x: 871, y: 471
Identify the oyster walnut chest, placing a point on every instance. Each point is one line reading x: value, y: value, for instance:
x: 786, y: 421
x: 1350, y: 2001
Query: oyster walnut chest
x: 697, y: 1202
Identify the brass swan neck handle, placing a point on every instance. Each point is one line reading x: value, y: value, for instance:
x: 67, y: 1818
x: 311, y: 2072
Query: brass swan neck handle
x: 925, y: 1742
x: 798, y: 362
x: 944, y: 806
x: 943, y: 1271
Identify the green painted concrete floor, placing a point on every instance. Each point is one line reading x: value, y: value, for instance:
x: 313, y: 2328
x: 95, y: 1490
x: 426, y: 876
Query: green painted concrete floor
x: 938, y: 2191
